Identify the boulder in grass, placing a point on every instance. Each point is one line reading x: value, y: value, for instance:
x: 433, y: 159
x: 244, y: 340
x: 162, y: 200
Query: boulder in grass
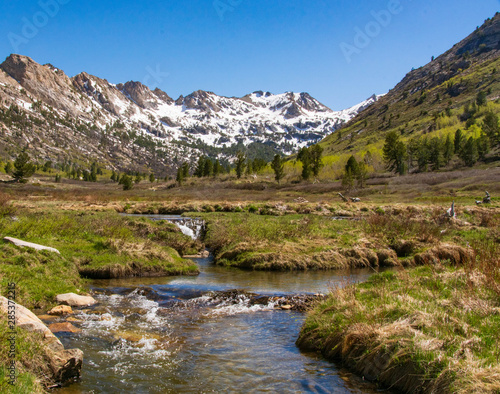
x: 75, y: 300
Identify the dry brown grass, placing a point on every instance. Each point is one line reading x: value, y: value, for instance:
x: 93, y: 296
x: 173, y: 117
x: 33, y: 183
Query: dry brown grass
x: 423, y: 330
x: 6, y: 207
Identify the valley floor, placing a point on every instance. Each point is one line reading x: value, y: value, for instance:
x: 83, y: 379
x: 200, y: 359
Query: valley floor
x: 425, y: 325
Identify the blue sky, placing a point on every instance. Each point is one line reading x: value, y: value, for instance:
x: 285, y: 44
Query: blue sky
x: 234, y: 47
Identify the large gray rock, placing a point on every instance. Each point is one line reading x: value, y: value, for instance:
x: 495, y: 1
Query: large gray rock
x: 65, y: 364
x: 25, y: 244
x: 73, y: 299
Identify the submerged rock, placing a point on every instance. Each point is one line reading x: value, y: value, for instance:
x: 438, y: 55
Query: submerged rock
x: 63, y: 327
x: 60, y: 310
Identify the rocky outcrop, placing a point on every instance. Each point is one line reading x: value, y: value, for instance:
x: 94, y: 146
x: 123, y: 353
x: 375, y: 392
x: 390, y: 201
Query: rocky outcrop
x: 25, y: 244
x: 140, y: 94
x: 202, y: 101
x: 163, y: 96
x: 49, y: 84
x: 64, y: 364
x: 75, y: 300
x: 99, y: 90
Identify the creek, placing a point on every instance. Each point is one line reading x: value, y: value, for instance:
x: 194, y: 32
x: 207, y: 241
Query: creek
x: 179, y: 335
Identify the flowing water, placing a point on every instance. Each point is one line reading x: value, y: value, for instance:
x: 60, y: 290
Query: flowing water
x: 175, y: 335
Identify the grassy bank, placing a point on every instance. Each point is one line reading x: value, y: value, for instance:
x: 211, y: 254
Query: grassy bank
x: 101, y: 245
x: 371, y: 236
x: 428, y: 329
x: 32, y: 367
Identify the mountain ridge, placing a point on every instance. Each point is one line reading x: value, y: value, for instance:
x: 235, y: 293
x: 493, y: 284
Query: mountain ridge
x: 433, y: 93
x: 201, y: 122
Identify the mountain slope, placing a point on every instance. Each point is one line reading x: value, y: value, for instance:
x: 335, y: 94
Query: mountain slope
x: 430, y: 99
x: 128, y: 126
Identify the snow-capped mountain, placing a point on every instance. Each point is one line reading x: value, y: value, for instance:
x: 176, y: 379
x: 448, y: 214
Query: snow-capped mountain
x: 125, y: 124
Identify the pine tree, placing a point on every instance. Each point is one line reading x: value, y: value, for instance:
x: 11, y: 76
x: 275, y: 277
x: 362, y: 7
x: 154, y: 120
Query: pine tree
x: 469, y: 153
x: 449, y: 149
x: 352, y: 165
x: 23, y: 168
x: 304, y: 157
x: 316, y: 152
x: 348, y: 180
x: 185, y: 170
x: 47, y: 167
x: 248, y: 168
x: 137, y: 179
x: 152, y: 177
x: 180, y: 176
x: 395, y: 153
x: 423, y: 155
x: 436, y: 149
x: 278, y: 166
x: 217, y: 168
x: 483, y: 146
x: 491, y: 127
x: 207, y: 167
x: 459, y: 137
x: 200, y: 167
x: 240, y: 164
x: 481, y: 99
x: 93, y: 175
x: 127, y: 182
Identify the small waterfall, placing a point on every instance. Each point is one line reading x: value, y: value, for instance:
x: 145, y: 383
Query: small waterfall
x: 191, y: 227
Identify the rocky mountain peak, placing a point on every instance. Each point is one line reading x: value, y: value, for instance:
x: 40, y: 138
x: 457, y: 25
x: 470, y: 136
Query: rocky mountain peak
x: 44, y: 82
x: 140, y: 94
x: 310, y: 104
x: 163, y: 96
x: 201, y: 100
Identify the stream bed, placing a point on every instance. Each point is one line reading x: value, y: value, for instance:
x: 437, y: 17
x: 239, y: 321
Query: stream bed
x: 178, y: 335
